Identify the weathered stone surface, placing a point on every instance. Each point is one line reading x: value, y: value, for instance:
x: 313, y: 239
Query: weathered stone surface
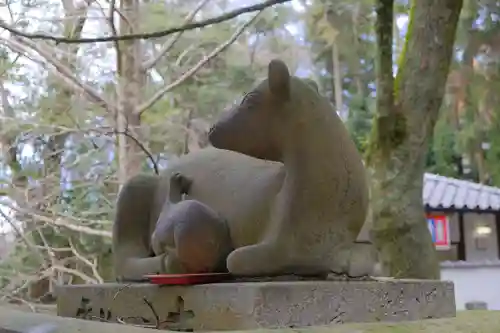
x: 254, y: 176
x: 250, y: 305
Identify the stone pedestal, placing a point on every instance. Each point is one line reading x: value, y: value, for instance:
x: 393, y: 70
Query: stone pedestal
x: 252, y: 305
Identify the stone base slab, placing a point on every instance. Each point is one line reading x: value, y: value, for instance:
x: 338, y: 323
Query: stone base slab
x: 252, y: 305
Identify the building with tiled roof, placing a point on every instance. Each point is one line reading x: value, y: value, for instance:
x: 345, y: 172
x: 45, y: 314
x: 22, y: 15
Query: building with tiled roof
x: 471, y: 252
x: 449, y: 193
x: 464, y: 220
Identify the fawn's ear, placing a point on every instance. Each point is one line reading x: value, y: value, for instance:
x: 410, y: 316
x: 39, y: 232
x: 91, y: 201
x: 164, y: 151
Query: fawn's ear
x: 278, y: 78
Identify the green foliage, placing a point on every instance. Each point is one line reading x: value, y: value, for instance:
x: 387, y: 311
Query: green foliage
x: 360, y: 121
x: 66, y: 161
x: 82, y: 188
x: 443, y: 151
x: 469, y: 123
x: 493, y: 153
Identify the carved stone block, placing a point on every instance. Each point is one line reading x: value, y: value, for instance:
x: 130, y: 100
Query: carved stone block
x: 252, y: 305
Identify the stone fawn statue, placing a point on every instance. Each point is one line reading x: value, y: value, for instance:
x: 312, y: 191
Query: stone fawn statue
x: 283, y: 172
x: 195, y: 238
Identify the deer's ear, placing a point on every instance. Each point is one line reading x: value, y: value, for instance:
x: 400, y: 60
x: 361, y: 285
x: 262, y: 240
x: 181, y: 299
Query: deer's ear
x: 278, y: 78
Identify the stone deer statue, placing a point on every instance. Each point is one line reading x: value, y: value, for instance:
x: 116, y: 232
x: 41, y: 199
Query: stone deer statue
x: 284, y: 175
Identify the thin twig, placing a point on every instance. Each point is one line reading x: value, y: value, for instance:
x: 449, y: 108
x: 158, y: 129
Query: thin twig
x: 159, y: 94
x: 58, y: 222
x: 92, y: 266
x: 11, y: 64
x: 171, y: 42
x: 23, y: 237
x: 140, y: 145
x: 190, y: 26
x: 114, y: 31
x: 22, y: 45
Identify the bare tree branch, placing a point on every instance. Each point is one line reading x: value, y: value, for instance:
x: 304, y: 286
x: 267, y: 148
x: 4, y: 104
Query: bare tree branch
x: 87, y: 262
x: 11, y: 65
x: 77, y: 228
x: 50, y: 253
x: 97, y: 278
x: 191, y: 26
x: 171, y: 42
x: 159, y: 94
x: 183, y: 54
x: 78, y: 14
x: 114, y: 31
x: 110, y: 17
x: 59, y: 222
x: 103, y: 130
x: 7, y: 138
x: 23, y: 237
x: 42, y: 275
x: 138, y: 143
x: 75, y: 272
x: 25, y: 45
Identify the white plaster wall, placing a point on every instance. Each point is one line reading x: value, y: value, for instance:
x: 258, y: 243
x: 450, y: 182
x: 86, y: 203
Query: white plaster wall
x: 480, y: 283
x: 490, y: 250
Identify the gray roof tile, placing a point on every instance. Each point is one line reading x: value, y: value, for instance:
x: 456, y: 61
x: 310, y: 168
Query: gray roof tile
x: 495, y: 202
x: 443, y: 192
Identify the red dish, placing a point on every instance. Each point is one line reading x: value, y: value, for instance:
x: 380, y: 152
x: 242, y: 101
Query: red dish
x: 186, y: 279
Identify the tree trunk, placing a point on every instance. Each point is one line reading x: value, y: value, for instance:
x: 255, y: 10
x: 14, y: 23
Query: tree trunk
x: 130, y: 80
x: 407, y: 112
